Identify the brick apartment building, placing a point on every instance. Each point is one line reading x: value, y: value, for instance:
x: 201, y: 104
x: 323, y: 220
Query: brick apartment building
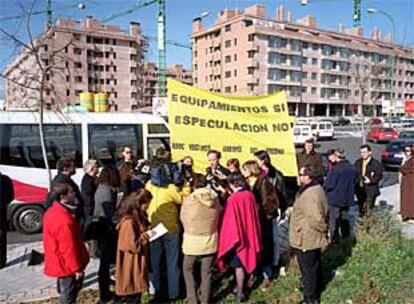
x: 176, y: 71
x: 248, y: 53
x: 90, y: 57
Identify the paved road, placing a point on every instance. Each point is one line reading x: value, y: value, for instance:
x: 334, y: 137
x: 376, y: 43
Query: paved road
x: 350, y: 144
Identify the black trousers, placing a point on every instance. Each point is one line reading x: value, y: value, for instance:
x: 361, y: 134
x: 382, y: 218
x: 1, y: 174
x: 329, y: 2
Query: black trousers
x: 365, y: 202
x: 3, y: 238
x: 131, y: 299
x: 310, y: 268
x: 68, y: 288
x: 338, y: 219
x: 107, y: 249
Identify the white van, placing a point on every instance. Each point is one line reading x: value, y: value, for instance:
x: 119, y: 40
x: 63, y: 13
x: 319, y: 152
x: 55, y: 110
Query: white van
x: 301, y: 133
x: 322, y: 130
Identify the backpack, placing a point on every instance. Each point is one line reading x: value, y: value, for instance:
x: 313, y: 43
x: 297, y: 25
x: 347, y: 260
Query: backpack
x: 165, y: 173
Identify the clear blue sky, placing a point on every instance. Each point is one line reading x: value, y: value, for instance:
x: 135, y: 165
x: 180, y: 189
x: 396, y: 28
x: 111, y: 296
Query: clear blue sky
x: 181, y: 12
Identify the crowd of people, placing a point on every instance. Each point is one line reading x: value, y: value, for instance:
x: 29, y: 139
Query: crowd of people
x: 232, y: 218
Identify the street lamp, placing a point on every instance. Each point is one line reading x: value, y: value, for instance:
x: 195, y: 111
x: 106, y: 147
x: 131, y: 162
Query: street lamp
x: 372, y: 10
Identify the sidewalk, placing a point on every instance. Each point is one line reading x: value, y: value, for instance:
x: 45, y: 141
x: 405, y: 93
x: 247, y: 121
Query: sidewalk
x: 20, y: 283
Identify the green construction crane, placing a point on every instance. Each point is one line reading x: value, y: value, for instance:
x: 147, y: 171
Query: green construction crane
x: 357, y: 9
x: 357, y: 13
x: 162, y: 78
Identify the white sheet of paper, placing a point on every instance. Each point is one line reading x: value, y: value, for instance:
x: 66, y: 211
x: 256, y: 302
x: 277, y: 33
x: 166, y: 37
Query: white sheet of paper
x: 157, y: 232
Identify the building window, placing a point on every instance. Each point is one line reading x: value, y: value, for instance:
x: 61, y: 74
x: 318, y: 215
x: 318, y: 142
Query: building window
x: 133, y: 83
x: 114, y: 42
x: 77, y: 51
x: 250, y: 54
x: 235, y: 73
x: 78, y: 78
x: 195, y: 54
x: 114, y: 68
x: 235, y: 88
x: 250, y: 70
x: 67, y: 78
x: 228, y: 28
x: 315, y: 47
x: 228, y: 74
x: 313, y: 91
x: 133, y: 70
x: 250, y: 38
x: 235, y: 41
x: 235, y: 57
x: 304, y: 89
x: 227, y: 59
x: 67, y: 92
x: 314, y: 76
x: 66, y: 64
x: 78, y: 65
x: 114, y: 55
x: 227, y: 43
x: 227, y: 90
x: 314, y: 61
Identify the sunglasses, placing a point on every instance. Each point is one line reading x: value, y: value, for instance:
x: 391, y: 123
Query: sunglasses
x: 128, y: 152
x: 302, y: 174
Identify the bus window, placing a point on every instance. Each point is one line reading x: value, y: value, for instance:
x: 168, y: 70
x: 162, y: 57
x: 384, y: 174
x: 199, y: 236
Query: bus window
x: 106, y: 141
x: 155, y: 142
x: 157, y: 129
x: 20, y: 144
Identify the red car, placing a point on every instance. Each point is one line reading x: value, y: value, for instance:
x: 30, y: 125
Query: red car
x: 382, y: 134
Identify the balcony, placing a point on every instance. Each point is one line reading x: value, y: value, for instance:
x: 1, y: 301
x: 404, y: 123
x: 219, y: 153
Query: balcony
x: 252, y: 46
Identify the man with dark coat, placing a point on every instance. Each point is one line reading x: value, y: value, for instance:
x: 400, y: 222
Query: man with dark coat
x: 66, y: 168
x: 310, y: 157
x: 6, y: 196
x: 88, y: 187
x: 340, y: 191
x: 307, y: 232
x: 369, y: 175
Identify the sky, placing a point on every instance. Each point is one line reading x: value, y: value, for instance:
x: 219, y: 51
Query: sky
x: 180, y: 14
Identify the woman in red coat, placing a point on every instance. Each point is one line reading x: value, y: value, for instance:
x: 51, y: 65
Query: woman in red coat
x: 407, y: 184
x: 239, y: 237
x: 66, y: 255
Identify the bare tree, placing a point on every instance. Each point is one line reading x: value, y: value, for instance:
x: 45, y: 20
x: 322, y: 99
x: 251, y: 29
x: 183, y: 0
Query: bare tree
x: 369, y: 86
x: 45, y: 59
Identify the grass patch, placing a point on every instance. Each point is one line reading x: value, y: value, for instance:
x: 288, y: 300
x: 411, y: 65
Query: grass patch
x: 378, y: 268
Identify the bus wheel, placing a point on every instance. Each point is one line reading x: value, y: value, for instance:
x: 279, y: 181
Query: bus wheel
x: 28, y: 219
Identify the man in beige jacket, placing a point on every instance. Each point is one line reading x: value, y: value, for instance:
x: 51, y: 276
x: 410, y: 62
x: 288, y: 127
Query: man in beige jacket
x: 308, y: 232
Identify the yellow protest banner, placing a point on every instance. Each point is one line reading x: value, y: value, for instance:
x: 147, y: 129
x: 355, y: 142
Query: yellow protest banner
x: 235, y: 126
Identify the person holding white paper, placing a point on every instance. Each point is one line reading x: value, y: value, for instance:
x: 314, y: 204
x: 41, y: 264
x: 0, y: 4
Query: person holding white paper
x: 133, y: 252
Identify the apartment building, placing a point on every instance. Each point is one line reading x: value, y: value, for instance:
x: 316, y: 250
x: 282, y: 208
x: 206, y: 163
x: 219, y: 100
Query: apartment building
x: 176, y: 71
x: 80, y: 57
x: 323, y: 72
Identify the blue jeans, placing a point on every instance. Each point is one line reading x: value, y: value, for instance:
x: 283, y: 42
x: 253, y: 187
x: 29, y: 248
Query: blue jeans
x: 267, y: 270
x: 169, y: 245
x: 276, y: 243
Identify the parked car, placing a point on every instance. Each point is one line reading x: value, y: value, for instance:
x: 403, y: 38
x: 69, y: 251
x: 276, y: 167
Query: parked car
x: 341, y: 121
x: 393, y: 153
x: 382, y: 134
x: 406, y: 135
x: 322, y: 130
x: 301, y: 133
